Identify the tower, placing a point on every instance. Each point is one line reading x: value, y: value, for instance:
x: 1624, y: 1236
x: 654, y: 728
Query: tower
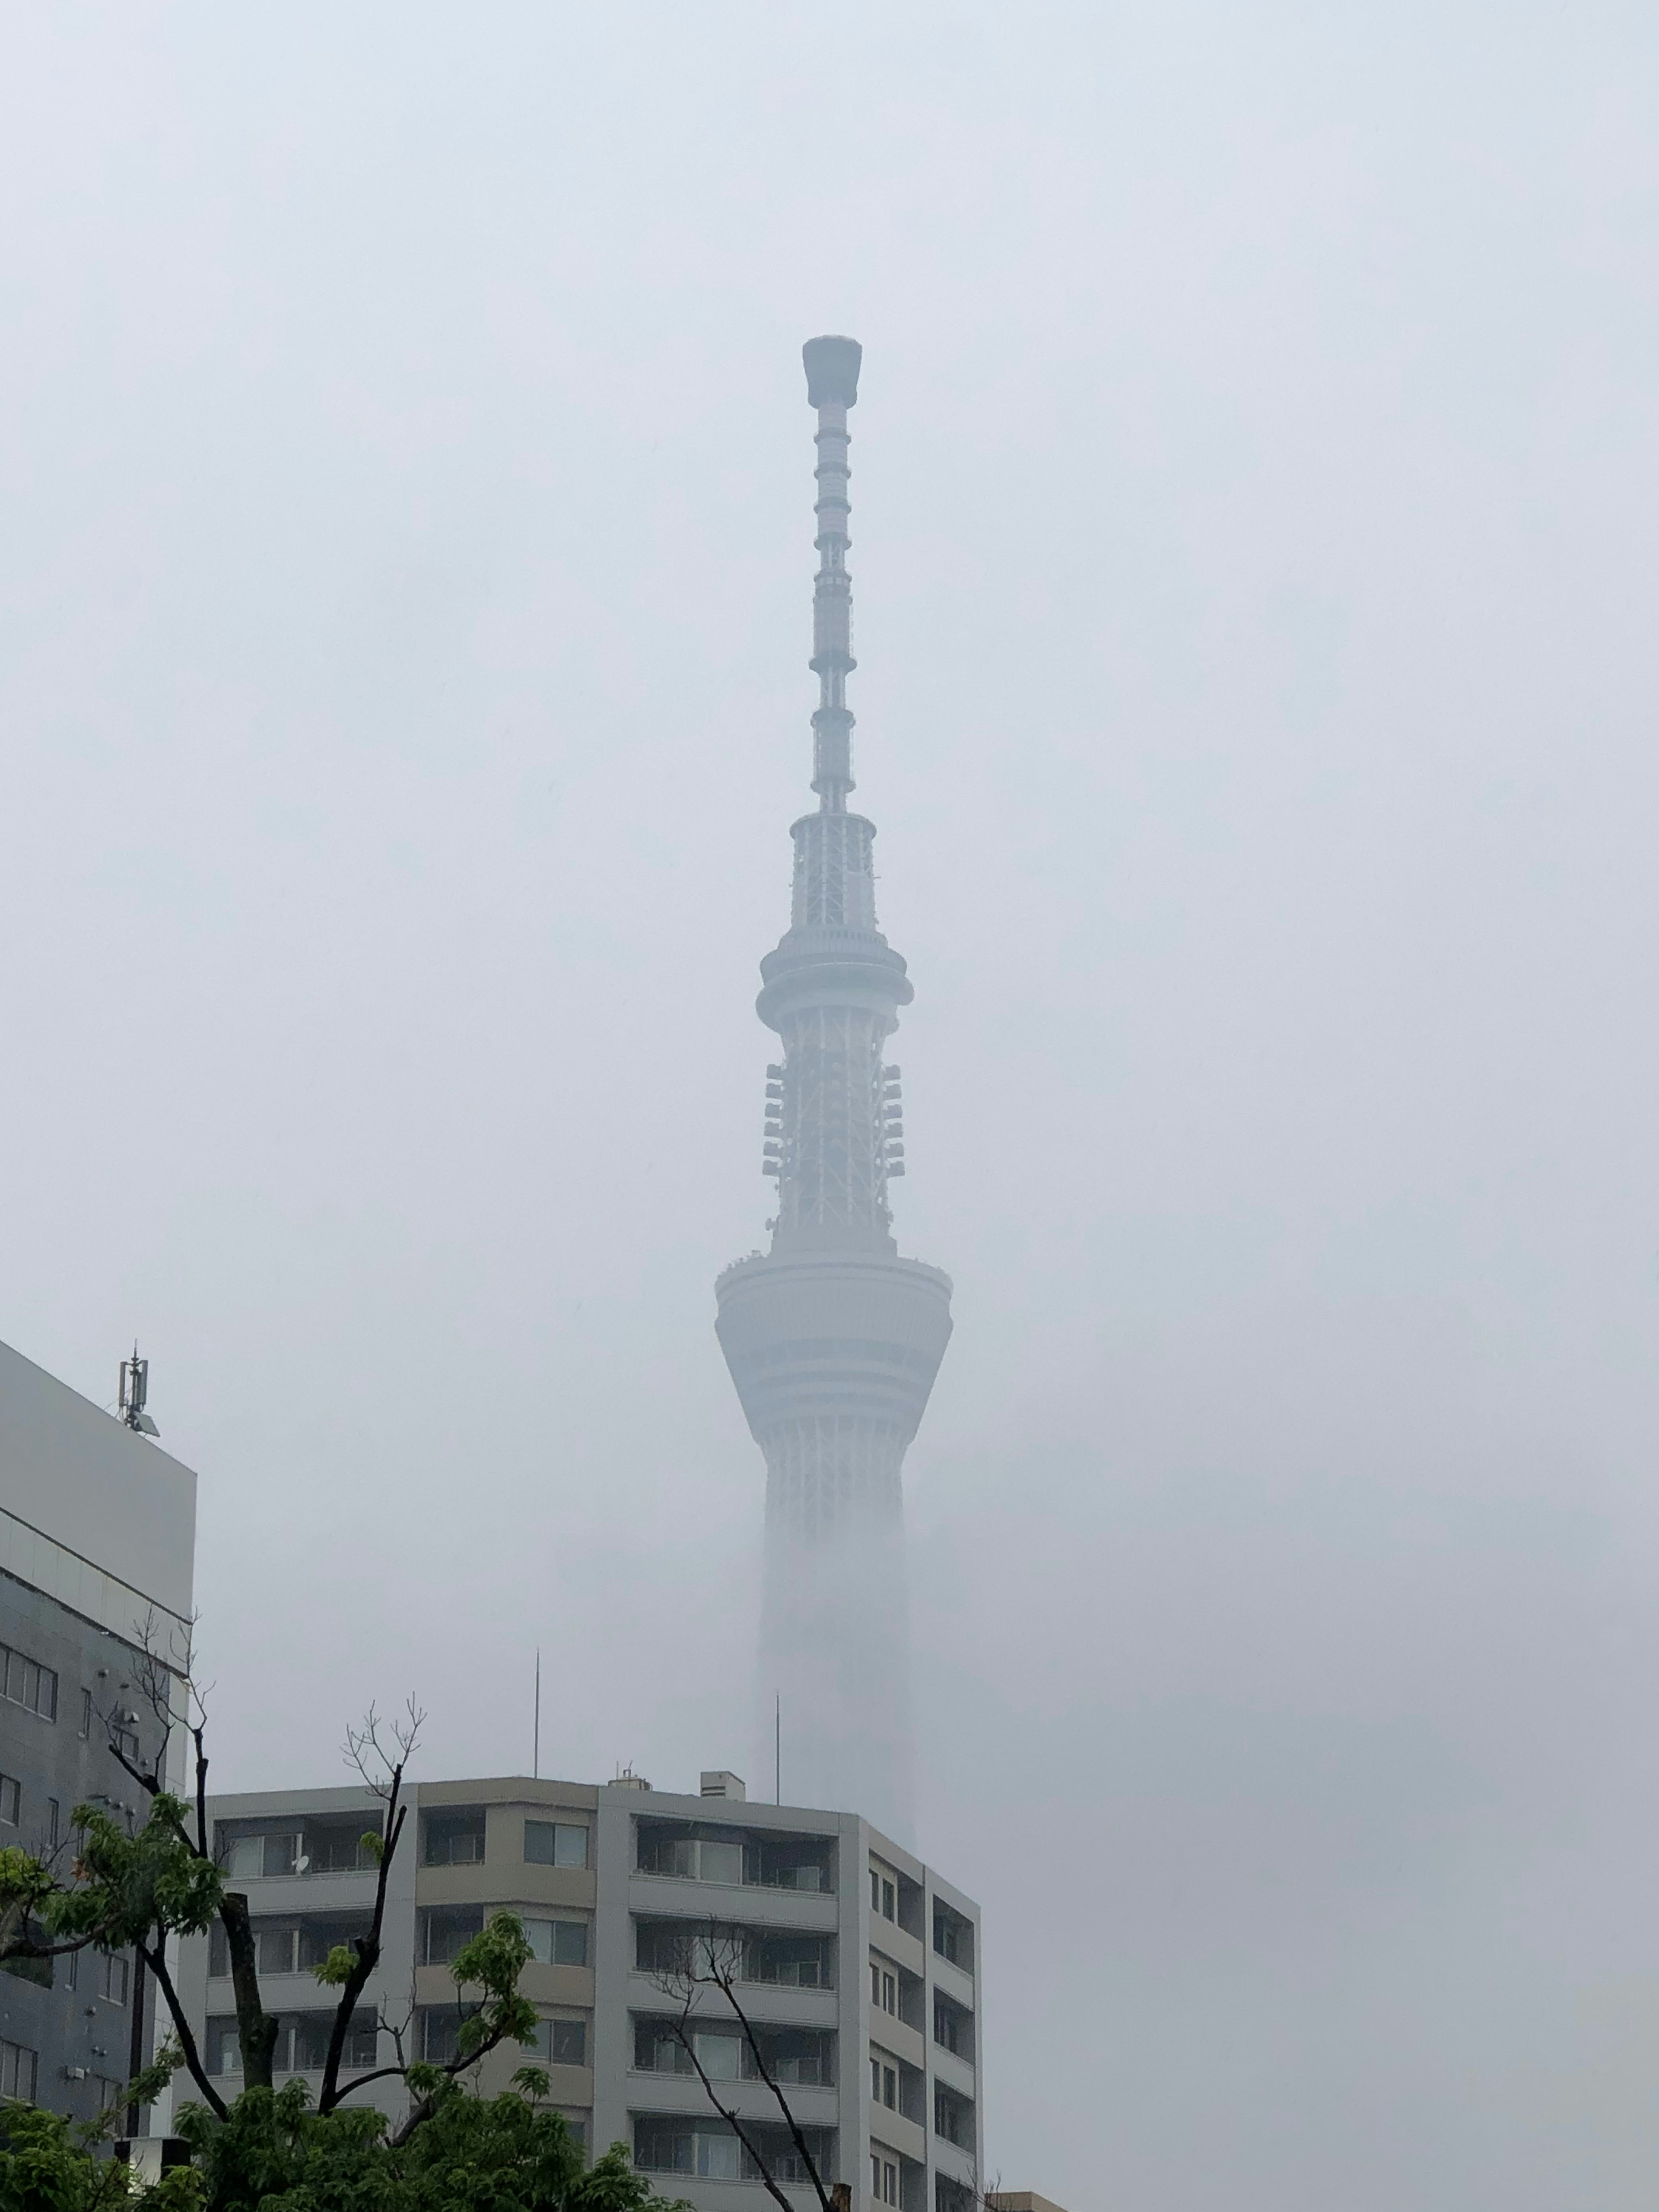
x: 833, y: 1340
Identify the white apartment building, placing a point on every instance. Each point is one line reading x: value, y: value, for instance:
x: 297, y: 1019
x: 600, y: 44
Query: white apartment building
x: 859, y: 1967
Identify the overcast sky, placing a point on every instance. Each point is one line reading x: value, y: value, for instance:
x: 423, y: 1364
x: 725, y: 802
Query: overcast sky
x: 405, y: 582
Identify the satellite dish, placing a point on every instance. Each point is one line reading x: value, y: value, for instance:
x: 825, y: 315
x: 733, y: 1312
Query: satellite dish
x: 302, y: 1862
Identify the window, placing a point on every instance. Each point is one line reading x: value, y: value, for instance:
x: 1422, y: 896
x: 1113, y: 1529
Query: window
x: 692, y: 1854
x: 953, y: 1937
x: 794, y: 2055
x: 54, y: 1817
x: 560, y: 2042
x: 953, y: 2117
x: 321, y: 1935
x: 274, y: 1948
x: 889, y: 1901
x: 953, y: 2028
x: 112, y: 1977
x: 455, y: 1838
x: 798, y: 1962
x: 446, y: 1930
x: 86, y: 1712
x: 342, y: 1847
x: 786, y: 1959
x: 441, y: 2027
x: 883, y: 2179
x: 666, y: 2144
x: 555, y: 1842
x: 875, y: 1891
x: 884, y: 1990
x: 11, y: 1800
x: 301, y: 2046
x: 302, y: 2042
x: 25, y: 1682
x: 19, y: 2067
x: 254, y: 1858
x: 557, y: 1943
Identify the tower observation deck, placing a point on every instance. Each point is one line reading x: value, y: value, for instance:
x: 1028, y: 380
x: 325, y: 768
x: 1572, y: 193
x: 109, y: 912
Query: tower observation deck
x: 832, y: 1339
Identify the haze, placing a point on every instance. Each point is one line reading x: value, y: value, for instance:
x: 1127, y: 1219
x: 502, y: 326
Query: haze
x: 405, y: 470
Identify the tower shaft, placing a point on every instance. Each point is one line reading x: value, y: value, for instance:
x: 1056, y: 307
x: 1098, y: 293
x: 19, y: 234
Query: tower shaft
x: 833, y: 1340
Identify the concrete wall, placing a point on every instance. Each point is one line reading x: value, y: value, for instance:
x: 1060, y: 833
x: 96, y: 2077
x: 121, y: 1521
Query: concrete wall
x: 79, y: 1477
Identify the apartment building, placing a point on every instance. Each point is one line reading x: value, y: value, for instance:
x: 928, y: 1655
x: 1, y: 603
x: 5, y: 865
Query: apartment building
x: 97, y: 1540
x: 858, y: 1964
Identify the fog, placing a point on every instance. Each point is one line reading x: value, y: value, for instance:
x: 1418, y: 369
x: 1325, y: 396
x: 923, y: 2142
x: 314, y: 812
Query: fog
x: 405, y: 530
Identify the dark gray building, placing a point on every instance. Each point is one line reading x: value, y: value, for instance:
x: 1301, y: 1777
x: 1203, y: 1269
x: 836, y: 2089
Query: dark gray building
x: 97, y: 1538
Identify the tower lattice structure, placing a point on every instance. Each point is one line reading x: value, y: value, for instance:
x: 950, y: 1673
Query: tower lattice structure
x: 832, y: 1339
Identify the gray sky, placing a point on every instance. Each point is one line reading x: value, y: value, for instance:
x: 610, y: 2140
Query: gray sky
x: 404, y: 579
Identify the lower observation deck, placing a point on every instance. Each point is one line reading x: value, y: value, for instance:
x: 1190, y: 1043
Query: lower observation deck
x: 832, y: 1333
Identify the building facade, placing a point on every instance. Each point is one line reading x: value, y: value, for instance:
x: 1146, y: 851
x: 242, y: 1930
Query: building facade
x: 97, y: 1549
x: 833, y: 1340
x: 858, y: 1965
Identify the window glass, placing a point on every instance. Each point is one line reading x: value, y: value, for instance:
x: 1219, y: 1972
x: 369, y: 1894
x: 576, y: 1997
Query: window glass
x: 448, y: 1929
x: 86, y: 1712
x: 218, y: 1952
x: 455, y: 1838
x: 555, y: 1842
x: 280, y: 1852
x: 717, y: 2157
x: 273, y: 1949
x: 224, y: 2053
x: 720, y: 1861
x: 557, y: 1943
x: 11, y: 1800
x: 560, y: 2042
x: 19, y: 2066
x: 889, y: 1901
x: 721, y: 2056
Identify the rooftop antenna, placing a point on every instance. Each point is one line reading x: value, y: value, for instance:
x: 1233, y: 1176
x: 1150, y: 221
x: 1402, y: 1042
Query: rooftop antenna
x: 536, y: 1754
x: 134, y: 1390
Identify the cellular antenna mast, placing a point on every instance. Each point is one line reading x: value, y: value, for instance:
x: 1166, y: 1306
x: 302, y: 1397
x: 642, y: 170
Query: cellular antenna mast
x: 833, y: 1340
x: 134, y: 1390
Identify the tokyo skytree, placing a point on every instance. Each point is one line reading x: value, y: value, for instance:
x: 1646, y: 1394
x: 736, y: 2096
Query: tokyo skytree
x: 832, y: 1339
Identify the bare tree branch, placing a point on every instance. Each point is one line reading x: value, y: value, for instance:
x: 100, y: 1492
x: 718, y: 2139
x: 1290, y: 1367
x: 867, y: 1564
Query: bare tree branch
x: 713, y: 1960
x: 383, y: 1774
x: 156, y: 1960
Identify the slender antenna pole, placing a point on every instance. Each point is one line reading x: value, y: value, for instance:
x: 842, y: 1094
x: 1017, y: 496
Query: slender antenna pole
x: 777, y: 1748
x: 536, y: 1756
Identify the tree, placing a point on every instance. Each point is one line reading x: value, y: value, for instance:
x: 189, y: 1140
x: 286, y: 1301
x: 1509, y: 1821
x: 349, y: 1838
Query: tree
x: 131, y: 1887
x: 710, y: 1964
x: 272, y: 2152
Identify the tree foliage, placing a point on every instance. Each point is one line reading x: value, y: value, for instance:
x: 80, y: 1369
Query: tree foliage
x: 272, y: 2152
